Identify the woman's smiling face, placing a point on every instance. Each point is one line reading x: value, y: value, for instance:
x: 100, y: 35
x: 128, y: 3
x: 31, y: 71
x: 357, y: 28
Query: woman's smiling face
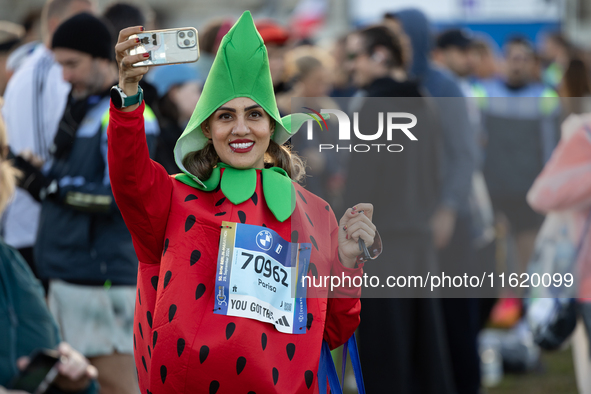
x: 240, y: 131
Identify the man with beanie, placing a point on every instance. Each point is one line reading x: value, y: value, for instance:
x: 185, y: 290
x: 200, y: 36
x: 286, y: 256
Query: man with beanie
x: 34, y: 102
x: 83, y: 247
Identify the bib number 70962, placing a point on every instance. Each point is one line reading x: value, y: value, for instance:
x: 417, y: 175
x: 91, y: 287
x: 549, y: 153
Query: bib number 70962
x: 256, y: 277
x: 261, y: 264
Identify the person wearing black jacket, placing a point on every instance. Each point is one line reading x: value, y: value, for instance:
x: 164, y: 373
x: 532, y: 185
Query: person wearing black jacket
x: 402, y: 343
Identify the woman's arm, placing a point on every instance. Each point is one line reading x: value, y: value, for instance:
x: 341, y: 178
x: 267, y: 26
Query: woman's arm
x: 565, y: 182
x: 141, y: 187
x: 344, y: 306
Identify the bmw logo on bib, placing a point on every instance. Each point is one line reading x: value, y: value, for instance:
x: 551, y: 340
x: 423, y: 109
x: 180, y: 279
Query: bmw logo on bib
x: 264, y: 240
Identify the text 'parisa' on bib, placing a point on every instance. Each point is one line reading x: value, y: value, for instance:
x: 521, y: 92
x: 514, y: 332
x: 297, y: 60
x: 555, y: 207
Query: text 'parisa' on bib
x: 259, y: 276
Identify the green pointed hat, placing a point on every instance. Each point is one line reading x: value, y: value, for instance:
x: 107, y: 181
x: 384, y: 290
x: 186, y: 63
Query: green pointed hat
x: 240, y: 69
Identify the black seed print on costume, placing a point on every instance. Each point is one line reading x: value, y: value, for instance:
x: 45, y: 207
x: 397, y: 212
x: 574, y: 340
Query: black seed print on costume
x: 171, y: 312
x: 163, y: 373
x: 195, y: 256
x: 165, y: 246
x: 167, y: 277
x: 242, y: 216
x: 189, y: 222
x: 255, y: 198
x: 149, y: 317
x: 154, y: 338
x: 148, y: 391
x: 141, y: 333
x: 312, y: 267
x: 139, y: 296
x: 275, y: 376
x: 264, y: 340
x: 251, y: 392
x: 240, y: 364
x: 203, y: 352
x: 310, y: 220
x: 180, y: 346
x: 144, y: 362
x: 230, y: 330
x: 220, y: 201
x: 134, y: 344
x: 294, y: 236
x: 309, y: 376
x: 214, y: 386
x: 149, y: 351
x: 200, y: 290
x: 314, y: 243
x: 310, y: 320
x: 190, y: 197
x: 264, y: 225
x: 302, y: 197
x: 220, y: 214
x: 327, y: 208
x: 290, y: 348
x: 154, y: 281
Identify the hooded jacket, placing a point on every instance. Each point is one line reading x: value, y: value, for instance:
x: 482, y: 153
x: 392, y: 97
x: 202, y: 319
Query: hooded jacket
x: 459, y: 143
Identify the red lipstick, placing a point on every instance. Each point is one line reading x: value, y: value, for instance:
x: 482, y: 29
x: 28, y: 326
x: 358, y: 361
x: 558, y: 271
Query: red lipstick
x: 241, y: 145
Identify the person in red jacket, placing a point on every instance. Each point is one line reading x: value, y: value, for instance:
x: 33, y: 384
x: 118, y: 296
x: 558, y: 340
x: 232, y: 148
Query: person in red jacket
x: 232, y: 326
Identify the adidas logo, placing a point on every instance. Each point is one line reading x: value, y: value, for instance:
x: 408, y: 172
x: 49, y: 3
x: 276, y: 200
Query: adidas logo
x: 282, y: 321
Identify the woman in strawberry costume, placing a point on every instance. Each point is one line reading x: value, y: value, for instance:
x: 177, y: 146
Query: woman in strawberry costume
x: 208, y: 317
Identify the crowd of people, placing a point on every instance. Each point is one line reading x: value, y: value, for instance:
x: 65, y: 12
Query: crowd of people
x: 89, y: 203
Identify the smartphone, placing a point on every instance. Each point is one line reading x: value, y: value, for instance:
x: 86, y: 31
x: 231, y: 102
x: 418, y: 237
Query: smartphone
x: 39, y: 374
x: 170, y: 46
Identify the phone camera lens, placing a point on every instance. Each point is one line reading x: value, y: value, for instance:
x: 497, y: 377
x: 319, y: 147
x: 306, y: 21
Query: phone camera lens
x: 190, y: 34
x: 182, y: 35
x: 187, y: 42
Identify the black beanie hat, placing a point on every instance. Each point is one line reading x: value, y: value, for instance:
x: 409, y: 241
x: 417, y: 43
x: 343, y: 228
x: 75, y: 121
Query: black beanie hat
x: 85, y: 33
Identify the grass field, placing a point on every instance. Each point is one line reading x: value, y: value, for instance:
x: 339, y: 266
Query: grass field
x: 556, y: 375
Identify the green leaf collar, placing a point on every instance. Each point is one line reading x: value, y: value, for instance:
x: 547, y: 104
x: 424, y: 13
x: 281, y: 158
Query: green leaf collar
x: 239, y: 185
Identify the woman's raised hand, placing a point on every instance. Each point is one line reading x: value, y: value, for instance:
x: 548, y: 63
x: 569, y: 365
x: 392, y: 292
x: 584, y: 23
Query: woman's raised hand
x: 129, y: 76
x: 356, y: 223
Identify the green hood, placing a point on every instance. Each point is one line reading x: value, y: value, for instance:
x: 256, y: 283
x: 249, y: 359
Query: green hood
x: 240, y: 69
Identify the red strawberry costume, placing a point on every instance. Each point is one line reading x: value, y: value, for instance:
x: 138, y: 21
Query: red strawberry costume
x: 181, y: 346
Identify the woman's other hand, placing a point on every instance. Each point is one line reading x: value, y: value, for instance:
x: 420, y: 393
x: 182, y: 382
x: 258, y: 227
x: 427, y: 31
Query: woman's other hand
x: 355, y: 223
x: 129, y: 76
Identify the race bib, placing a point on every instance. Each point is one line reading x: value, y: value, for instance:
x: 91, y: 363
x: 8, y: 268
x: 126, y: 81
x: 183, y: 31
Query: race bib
x: 259, y: 277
